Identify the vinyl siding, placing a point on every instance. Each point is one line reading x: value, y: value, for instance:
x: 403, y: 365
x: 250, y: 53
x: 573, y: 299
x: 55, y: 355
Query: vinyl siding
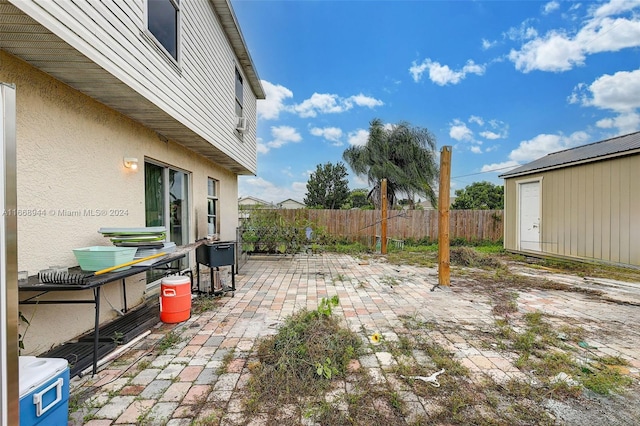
x: 198, y: 92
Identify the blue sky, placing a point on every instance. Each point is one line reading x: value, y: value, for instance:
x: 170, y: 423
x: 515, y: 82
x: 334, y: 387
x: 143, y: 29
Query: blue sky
x: 503, y: 82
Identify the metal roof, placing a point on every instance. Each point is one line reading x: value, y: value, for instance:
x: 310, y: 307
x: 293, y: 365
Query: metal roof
x: 608, y: 148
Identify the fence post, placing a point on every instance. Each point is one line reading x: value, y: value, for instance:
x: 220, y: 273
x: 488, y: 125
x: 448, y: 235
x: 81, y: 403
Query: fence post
x: 383, y: 207
x: 443, y: 222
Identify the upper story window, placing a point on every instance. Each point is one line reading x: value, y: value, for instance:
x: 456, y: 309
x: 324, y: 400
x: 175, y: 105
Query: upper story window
x: 239, y: 92
x: 163, y: 18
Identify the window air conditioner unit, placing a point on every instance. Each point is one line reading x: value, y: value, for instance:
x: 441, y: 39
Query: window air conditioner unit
x: 241, y: 124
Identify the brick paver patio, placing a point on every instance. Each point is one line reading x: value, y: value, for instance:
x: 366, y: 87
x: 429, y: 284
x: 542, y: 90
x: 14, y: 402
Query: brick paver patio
x: 172, y: 388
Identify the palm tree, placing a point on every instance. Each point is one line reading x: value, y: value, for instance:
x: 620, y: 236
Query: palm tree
x: 403, y: 154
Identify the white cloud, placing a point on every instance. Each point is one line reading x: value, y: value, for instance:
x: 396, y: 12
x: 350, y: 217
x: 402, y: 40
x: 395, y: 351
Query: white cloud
x: 358, y: 137
x: 282, y: 135
x: 559, y: 50
x: 262, y: 148
x: 268, y: 191
x: 554, y: 52
x: 325, y: 103
x: 442, y: 74
x: 367, y: 101
x: 625, y: 123
x: 538, y: 147
x: 523, y: 32
x: 499, y: 167
x: 270, y: 108
x: 490, y: 135
x: 615, y: 7
x: 476, y: 149
x: 619, y: 92
x: 475, y: 119
x: 459, y: 131
x: 544, y: 144
x: 487, y: 44
x: 552, y: 6
x: 333, y: 134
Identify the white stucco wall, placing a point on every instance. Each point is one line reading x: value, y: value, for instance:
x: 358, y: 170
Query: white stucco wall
x: 70, y: 152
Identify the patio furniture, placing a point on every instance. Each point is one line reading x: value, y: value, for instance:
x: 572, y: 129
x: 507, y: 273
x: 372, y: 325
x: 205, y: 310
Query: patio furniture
x: 95, y: 284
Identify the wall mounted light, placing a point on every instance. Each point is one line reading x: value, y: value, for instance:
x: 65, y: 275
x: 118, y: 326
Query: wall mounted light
x: 131, y: 163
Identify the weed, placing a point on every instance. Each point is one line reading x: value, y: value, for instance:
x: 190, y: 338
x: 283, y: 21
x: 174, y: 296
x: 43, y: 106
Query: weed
x: 117, y: 337
x: 405, y: 345
x: 395, y: 401
x: 143, y: 365
x: 168, y: 341
x: 308, y: 352
x: 326, y: 305
x: 389, y: 280
x: 423, y: 258
x: 362, y: 284
x: 204, y: 303
x: 226, y: 360
x: 340, y: 278
x: 466, y: 256
x: 604, y: 381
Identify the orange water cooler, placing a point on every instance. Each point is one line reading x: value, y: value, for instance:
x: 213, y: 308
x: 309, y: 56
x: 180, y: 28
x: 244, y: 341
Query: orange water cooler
x: 175, y: 299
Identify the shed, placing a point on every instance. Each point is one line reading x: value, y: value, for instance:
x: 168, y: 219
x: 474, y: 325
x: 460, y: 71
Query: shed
x: 580, y: 203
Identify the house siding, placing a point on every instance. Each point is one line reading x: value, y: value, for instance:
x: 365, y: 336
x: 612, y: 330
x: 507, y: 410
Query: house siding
x: 587, y: 211
x: 70, y: 152
x: 112, y: 34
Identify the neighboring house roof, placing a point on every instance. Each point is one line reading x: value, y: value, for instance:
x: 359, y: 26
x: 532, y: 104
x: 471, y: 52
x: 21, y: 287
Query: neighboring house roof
x: 291, y: 202
x: 253, y: 201
x: 38, y: 34
x: 608, y: 148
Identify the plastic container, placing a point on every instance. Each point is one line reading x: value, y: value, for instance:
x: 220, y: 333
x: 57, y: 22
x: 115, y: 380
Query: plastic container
x: 44, y: 391
x: 100, y: 257
x: 175, y: 299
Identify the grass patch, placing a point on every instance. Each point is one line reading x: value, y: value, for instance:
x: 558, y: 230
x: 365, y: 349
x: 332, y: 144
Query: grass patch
x: 425, y: 258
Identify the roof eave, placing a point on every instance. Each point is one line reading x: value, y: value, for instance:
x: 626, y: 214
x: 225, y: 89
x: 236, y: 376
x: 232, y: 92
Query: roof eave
x: 570, y: 164
x: 232, y: 29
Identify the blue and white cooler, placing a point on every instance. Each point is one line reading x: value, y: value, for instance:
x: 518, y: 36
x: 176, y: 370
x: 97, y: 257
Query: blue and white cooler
x: 44, y: 391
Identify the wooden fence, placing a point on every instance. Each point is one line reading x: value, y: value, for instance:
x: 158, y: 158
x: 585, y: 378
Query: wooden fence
x: 364, y: 225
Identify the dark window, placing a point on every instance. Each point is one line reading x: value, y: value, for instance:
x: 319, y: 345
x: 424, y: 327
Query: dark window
x: 212, y: 207
x: 162, y: 18
x: 239, y: 92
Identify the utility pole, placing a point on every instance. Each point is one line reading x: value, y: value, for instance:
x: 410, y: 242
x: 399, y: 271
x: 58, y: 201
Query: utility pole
x: 383, y: 206
x: 443, y: 217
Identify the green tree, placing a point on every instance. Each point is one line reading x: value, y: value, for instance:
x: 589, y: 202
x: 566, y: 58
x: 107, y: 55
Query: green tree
x: 479, y: 196
x: 327, y: 187
x: 403, y: 154
x: 358, y: 198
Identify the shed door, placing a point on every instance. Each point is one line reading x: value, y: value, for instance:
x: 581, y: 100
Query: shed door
x: 529, y: 215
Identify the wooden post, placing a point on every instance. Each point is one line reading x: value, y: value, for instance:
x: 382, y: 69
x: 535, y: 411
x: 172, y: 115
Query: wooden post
x: 443, y: 217
x: 383, y: 222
